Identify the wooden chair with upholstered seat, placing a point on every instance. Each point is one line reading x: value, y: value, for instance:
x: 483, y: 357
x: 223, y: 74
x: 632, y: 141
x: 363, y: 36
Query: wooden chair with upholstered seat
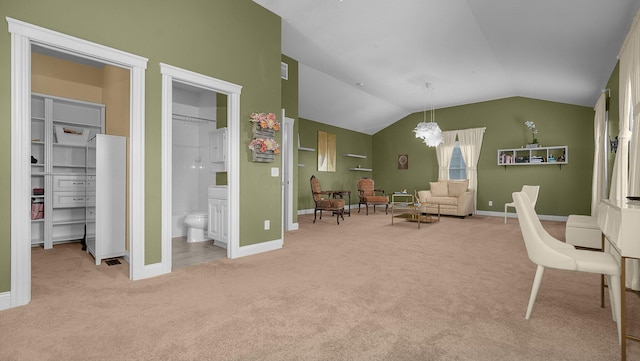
x: 325, y: 202
x: 369, y: 195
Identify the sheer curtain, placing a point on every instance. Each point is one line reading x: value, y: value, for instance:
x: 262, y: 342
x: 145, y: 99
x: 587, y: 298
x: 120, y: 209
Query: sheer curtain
x: 598, y: 185
x: 444, y: 151
x: 625, y: 175
x: 470, y: 146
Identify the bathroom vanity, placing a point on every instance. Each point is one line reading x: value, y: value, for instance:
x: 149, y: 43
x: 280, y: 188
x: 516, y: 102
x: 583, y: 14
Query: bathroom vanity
x: 218, y: 228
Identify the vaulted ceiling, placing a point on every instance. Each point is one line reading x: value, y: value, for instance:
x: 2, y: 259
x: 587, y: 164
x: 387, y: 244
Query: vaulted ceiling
x: 363, y: 64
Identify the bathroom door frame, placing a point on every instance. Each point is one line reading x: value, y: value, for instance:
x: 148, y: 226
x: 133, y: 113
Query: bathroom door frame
x: 171, y: 74
x: 22, y: 36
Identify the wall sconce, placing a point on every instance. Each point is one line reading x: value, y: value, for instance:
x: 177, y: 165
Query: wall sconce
x: 613, y: 144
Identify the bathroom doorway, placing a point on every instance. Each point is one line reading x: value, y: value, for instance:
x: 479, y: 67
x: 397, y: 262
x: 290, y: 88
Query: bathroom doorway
x: 193, y: 94
x: 196, y: 120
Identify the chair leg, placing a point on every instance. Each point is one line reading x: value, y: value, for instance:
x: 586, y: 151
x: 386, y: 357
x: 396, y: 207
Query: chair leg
x: 386, y: 208
x: 505, y: 214
x: 537, y: 280
x: 614, y: 296
x: 315, y: 211
x: 359, y: 207
x: 367, y: 207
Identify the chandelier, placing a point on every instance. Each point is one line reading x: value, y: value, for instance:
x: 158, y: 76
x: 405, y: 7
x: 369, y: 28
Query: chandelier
x: 429, y: 132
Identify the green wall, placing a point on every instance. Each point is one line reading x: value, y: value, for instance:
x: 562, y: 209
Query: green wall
x: 564, y: 189
x: 233, y: 40
x: 347, y: 141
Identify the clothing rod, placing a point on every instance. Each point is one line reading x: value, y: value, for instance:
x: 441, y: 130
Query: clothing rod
x: 190, y: 118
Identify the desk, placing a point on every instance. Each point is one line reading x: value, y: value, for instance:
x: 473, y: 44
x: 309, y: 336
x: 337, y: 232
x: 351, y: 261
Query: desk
x: 619, y: 221
x: 342, y: 194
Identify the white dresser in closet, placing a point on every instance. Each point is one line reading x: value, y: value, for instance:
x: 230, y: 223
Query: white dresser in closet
x: 106, y: 154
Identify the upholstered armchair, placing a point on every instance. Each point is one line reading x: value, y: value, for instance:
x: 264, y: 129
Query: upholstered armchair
x: 369, y: 195
x: 325, y: 202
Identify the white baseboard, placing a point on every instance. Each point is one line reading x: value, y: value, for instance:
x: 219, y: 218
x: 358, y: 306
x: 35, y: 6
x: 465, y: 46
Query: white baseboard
x: 259, y: 248
x: 5, y: 301
x: 148, y: 271
x: 293, y: 227
x: 514, y: 215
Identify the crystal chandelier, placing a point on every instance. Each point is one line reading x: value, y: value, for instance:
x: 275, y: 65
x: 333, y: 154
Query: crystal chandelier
x: 429, y: 132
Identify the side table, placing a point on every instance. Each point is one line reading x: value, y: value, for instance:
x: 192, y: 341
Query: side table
x: 342, y: 194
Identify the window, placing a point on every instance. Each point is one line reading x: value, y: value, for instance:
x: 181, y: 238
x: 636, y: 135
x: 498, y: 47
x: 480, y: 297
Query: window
x: 457, y: 168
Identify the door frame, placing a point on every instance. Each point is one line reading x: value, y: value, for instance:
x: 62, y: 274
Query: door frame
x: 171, y: 74
x: 22, y: 36
x: 287, y: 173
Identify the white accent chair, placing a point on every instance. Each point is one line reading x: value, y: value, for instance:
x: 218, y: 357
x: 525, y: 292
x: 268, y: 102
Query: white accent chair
x: 546, y: 251
x: 532, y: 193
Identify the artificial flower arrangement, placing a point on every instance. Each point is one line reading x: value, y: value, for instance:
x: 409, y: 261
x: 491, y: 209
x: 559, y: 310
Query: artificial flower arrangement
x: 265, y: 120
x: 263, y: 145
x: 532, y: 127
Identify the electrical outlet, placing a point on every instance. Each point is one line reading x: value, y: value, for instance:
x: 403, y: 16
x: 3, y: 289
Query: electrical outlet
x: 490, y: 203
x: 267, y: 225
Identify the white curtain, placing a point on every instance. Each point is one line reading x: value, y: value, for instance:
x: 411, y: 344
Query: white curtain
x: 625, y: 175
x: 444, y: 151
x: 470, y: 146
x: 598, y: 185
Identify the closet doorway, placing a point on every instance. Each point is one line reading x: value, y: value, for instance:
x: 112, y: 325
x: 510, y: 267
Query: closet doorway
x: 79, y: 96
x: 23, y: 37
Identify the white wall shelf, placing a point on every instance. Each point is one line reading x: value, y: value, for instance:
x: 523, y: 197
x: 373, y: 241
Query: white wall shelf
x: 361, y: 169
x: 306, y: 149
x: 556, y: 155
x: 354, y: 155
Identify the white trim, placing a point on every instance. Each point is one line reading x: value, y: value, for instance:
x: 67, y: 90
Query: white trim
x: 20, y: 171
x: 259, y: 248
x: 22, y: 36
x: 514, y: 215
x: 5, y: 300
x: 287, y: 172
x: 169, y: 75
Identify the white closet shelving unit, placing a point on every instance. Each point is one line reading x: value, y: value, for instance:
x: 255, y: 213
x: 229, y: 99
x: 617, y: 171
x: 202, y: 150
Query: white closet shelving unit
x: 59, y: 130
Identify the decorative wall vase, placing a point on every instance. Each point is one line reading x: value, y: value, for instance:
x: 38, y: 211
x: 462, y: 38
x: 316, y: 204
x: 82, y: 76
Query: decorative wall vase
x: 258, y: 131
x: 263, y: 157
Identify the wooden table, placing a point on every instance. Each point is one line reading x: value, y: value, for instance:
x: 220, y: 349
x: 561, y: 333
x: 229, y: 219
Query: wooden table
x: 342, y: 194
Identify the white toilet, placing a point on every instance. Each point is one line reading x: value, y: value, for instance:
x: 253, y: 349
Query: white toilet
x: 196, y: 225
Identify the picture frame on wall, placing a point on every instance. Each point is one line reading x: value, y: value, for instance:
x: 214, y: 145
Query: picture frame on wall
x: 403, y: 161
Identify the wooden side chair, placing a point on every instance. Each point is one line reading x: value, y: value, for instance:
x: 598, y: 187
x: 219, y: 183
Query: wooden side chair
x: 369, y: 195
x: 324, y: 202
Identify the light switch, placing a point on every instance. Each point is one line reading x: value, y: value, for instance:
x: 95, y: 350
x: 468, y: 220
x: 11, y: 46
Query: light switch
x: 275, y: 171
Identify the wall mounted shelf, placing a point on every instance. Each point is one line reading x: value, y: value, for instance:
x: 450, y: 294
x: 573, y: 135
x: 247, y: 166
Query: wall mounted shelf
x: 306, y: 149
x: 361, y: 169
x: 354, y: 155
x: 557, y: 155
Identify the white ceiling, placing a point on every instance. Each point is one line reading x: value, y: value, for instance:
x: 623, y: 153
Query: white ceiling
x: 470, y: 50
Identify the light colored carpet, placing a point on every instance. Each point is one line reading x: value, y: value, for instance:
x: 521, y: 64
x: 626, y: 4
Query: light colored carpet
x: 363, y: 290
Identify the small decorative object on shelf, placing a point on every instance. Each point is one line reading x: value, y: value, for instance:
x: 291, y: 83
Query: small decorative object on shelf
x: 263, y: 144
x: 532, y: 127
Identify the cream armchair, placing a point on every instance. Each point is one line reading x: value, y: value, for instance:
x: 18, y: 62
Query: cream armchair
x: 454, y: 197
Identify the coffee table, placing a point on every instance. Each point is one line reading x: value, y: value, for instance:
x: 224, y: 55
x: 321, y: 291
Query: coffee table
x: 403, y: 205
